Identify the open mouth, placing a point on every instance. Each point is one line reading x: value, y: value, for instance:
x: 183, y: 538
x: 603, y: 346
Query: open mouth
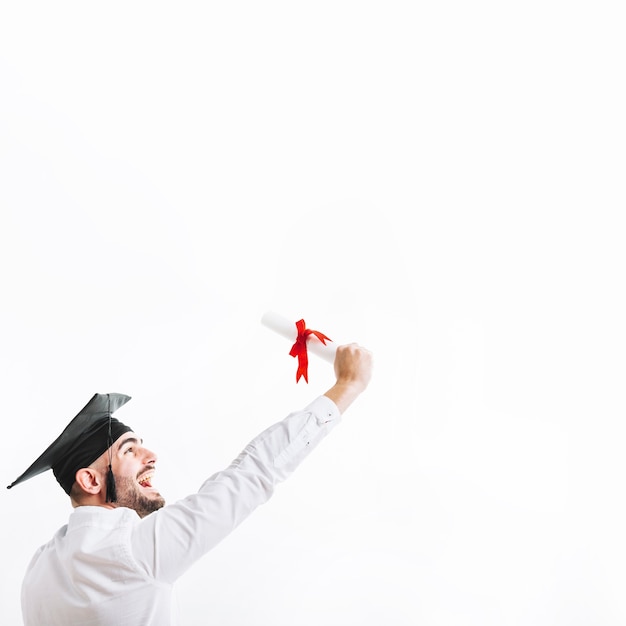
x: 146, y: 481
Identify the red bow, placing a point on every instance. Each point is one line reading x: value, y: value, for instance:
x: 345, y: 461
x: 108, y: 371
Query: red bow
x: 299, y: 348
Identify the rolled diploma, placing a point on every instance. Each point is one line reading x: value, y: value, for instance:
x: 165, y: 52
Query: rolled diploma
x: 287, y: 329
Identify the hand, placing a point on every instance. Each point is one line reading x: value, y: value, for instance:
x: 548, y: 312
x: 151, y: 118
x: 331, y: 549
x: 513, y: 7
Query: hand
x: 353, y: 365
x: 353, y: 368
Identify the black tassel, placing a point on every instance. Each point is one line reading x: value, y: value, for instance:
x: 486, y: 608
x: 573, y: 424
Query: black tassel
x: 111, y: 490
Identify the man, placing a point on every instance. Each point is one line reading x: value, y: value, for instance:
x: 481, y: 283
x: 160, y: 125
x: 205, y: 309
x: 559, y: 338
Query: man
x: 116, y: 560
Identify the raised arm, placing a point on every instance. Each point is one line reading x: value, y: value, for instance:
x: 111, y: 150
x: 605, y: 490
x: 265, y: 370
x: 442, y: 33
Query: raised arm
x: 168, y: 541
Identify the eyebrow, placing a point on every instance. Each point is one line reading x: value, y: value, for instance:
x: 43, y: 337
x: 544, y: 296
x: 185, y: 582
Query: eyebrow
x: 128, y: 440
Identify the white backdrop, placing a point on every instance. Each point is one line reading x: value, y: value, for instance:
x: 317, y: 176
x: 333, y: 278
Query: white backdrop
x: 440, y: 182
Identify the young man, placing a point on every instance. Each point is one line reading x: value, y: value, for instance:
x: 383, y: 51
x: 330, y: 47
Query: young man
x: 117, y: 558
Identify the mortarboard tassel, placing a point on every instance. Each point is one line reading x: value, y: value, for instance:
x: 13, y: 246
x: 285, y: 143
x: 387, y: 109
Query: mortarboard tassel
x: 111, y: 490
x: 110, y: 482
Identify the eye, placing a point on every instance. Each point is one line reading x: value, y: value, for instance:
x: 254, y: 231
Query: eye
x: 131, y: 449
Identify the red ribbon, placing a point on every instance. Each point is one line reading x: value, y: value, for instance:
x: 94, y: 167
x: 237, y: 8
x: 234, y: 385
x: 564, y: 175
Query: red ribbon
x: 299, y: 348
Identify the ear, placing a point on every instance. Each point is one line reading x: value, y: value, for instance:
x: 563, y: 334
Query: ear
x: 89, y: 480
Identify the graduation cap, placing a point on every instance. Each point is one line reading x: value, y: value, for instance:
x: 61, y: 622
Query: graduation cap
x: 89, y: 435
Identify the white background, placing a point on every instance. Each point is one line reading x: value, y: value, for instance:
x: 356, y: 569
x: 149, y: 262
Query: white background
x: 441, y: 182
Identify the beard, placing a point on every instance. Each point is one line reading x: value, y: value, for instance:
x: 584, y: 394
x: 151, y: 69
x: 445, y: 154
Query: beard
x: 130, y: 496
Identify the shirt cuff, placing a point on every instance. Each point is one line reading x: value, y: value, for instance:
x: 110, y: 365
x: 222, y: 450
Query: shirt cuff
x: 324, y: 410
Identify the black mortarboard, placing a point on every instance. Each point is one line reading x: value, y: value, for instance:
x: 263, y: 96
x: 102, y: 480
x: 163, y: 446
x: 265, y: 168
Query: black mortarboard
x: 91, y: 433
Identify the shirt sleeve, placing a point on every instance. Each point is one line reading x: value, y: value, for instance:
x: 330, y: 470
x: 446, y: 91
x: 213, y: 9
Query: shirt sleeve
x: 166, y: 543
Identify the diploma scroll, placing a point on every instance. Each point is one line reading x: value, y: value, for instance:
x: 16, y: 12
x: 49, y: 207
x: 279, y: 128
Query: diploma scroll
x: 287, y: 328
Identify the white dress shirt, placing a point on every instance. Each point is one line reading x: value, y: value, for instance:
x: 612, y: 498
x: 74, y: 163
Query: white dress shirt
x: 109, y: 567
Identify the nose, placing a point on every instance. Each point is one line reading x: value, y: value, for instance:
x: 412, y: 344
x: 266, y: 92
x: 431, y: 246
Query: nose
x: 149, y: 457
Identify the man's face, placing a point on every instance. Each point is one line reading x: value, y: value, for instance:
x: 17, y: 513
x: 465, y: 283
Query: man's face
x: 133, y: 468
